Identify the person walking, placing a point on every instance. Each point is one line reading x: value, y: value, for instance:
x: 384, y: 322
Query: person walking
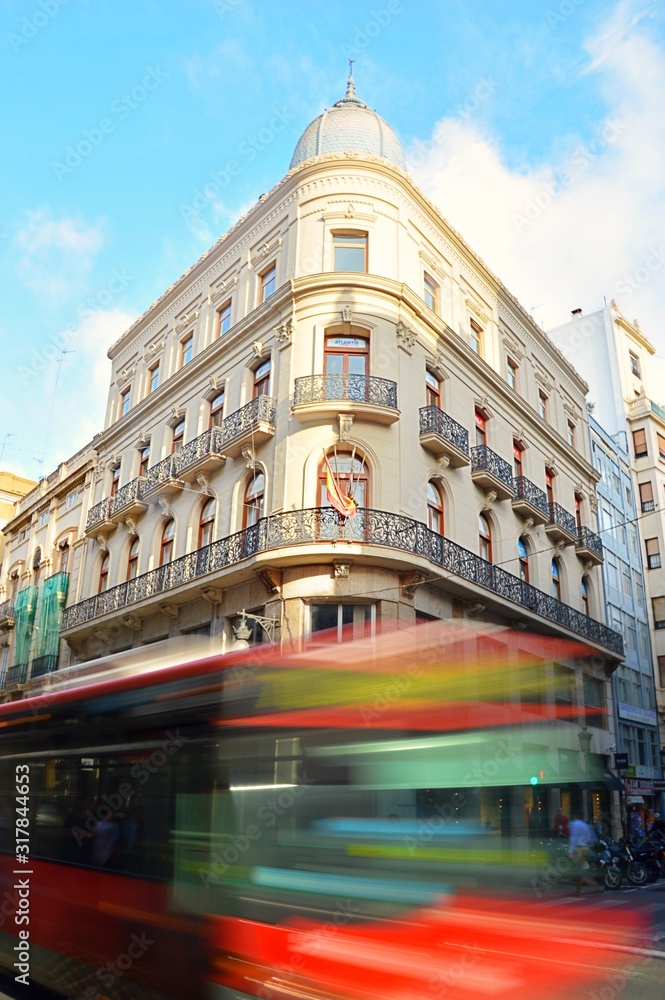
x: 580, y: 839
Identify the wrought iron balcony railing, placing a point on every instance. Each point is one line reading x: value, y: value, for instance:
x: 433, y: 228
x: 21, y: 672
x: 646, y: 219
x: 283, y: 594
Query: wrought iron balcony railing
x: 261, y: 409
x: 43, y: 665
x: 434, y: 421
x: 17, y: 674
x: 128, y: 494
x: 99, y: 512
x: 588, y: 539
x: 7, y: 609
x: 209, y: 442
x: 335, y: 388
x: 166, y: 469
x: 485, y: 460
x: 325, y: 525
x: 565, y: 520
x: 528, y: 491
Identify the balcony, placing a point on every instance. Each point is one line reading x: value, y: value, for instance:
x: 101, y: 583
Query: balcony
x: 324, y: 526
x: 588, y: 546
x: 561, y: 526
x: 42, y: 665
x: 323, y: 397
x: 251, y: 425
x: 99, y: 520
x: 491, y: 472
x: 128, y: 501
x: 7, y: 619
x: 443, y: 436
x: 18, y: 674
x: 161, y: 480
x: 529, y: 501
x: 202, y: 456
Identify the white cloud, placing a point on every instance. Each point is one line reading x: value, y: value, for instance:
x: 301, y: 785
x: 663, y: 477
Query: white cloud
x: 53, y: 253
x: 566, y: 233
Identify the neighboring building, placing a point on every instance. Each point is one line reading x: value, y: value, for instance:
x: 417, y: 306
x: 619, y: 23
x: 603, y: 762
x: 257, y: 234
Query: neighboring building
x: 627, y: 612
x: 12, y: 488
x: 616, y: 357
x: 42, y: 564
x: 343, y: 318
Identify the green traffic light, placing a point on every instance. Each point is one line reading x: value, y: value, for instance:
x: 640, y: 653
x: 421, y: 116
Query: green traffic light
x: 533, y: 780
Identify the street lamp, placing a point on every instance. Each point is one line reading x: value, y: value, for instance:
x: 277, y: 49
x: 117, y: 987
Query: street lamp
x: 585, y: 737
x: 243, y: 632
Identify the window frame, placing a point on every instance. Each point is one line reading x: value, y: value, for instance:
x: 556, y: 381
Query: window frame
x: 512, y: 373
x: 476, y: 332
x: 206, y: 524
x: 217, y: 411
x: 133, y: 558
x: 252, y: 512
x: 647, y: 503
x: 555, y: 579
x: 635, y: 364
x: 259, y: 382
x: 144, y: 459
x: 653, y: 553
x: 102, y: 583
x: 267, y: 281
x: 186, y: 349
x: 167, y: 542
x: 337, y: 237
x: 641, y: 435
x: 543, y: 405
x: 480, y: 424
x: 153, y: 377
x: 223, y: 314
x: 177, y: 437
x: 125, y: 401
x: 435, y: 509
x: 430, y: 292
x: 523, y: 559
x: 485, y: 539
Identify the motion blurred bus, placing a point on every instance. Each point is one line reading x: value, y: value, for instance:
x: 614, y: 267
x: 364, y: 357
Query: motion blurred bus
x: 344, y: 821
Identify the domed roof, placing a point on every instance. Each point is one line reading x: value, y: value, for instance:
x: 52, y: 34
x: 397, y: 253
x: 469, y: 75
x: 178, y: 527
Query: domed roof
x: 349, y: 127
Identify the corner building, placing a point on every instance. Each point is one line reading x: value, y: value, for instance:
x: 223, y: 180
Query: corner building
x: 343, y: 317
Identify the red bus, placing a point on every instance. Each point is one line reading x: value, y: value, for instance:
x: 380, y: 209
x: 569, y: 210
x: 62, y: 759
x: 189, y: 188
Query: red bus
x: 341, y: 821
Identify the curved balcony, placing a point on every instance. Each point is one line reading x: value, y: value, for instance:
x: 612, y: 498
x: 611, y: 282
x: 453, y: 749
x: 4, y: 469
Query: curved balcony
x: 323, y: 525
x: 322, y: 397
x: 529, y: 501
x: 249, y: 426
x: 162, y: 479
x: 491, y: 472
x: 443, y: 436
x: 128, y: 501
x: 561, y: 525
x: 589, y: 546
x: 202, y: 456
x: 99, y: 519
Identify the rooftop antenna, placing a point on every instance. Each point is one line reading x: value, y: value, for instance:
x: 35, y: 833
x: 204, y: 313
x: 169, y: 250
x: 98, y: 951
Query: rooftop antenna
x: 50, y: 416
x: 4, y: 442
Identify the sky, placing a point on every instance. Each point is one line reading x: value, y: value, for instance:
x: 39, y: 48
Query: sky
x: 536, y: 127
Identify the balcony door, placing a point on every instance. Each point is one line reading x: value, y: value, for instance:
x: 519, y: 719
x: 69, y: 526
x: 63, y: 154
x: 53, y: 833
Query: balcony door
x: 346, y: 355
x: 352, y: 478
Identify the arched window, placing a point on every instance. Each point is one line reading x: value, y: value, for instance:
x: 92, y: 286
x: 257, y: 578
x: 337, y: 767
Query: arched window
x: 261, y: 385
x: 350, y: 473
x: 13, y: 582
x: 252, y: 509
x: 434, y: 509
x: 133, y: 559
x: 523, y: 556
x: 484, y: 538
x: 556, y: 580
x: 168, y: 534
x: 584, y: 588
x: 206, y: 522
x: 104, y: 573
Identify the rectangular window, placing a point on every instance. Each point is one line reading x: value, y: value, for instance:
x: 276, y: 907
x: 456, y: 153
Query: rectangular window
x: 125, y: 400
x: 349, y: 251
x: 178, y: 435
x: 476, y: 337
x: 345, y: 620
x: 658, y: 605
x: 564, y: 685
x: 625, y: 578
x: 262, y: 380
x: 224, y: 319
x: 511, y: 373
x: 432, y: 390
x: 634, y: 364
x: 144, y: 460
x: 72, y: 498
x: 268, y: 283
x: 661, y: 447
x: 542, y: 404
x: 481, y: 428
x: 594, y: 698
x: 640, y: 443
x: 646, y: 496
x: 115, y: 481
x: 429, y: 292
x: 186, y: 349
x: 217, y: 410
x: 43, y: 518
x: 153, y: 374
x: 570, y: 426
x: 653, y: 553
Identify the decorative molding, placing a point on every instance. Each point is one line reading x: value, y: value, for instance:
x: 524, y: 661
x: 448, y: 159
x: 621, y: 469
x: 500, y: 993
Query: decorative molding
x: 102, y: 542
x: 341, y: 570
x: 490, y: 497
x: 261, y: 350
x: 204, y: 483
x: 166, y: 510
x: 527, y: 525
x: 169, y: 610
x: 100, y: 632
x: 347, y: 314
x: 284, y: 333
x: 248, y: 455
x: 186, y: 320
x: 515, y: 351
x: 406, y: 337
x: 211, y: 594
x: 475, y: 306
x: 271, y: 579
x: 132, y: 621
x: 520, y: 438
x: 552, y: 466
x: 222, y: 290
x: 131, y: 525
x: 593, y: 503
x: 345, y: 425
x: 409, y: 582
x: 476, y: 608
x: 151, y: 351
x: 125, y: 376
x: 143, y: 440
x: 177, y: 413
x: 438, y: 367
x: 265, y: 250
x: 441, y: 465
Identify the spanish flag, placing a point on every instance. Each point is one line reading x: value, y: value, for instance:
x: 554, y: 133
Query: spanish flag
x: 346, y: 506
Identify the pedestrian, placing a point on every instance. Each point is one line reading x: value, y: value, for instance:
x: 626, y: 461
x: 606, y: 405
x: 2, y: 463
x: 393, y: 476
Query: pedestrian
x: 561, y: 824
x: 580, y: 839
x: 658, y: 825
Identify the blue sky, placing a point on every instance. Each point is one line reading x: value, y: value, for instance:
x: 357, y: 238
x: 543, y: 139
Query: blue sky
x: 117, y: 115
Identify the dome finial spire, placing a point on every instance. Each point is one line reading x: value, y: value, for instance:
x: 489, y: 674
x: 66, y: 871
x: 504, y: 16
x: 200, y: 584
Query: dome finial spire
x: 350, y: 86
